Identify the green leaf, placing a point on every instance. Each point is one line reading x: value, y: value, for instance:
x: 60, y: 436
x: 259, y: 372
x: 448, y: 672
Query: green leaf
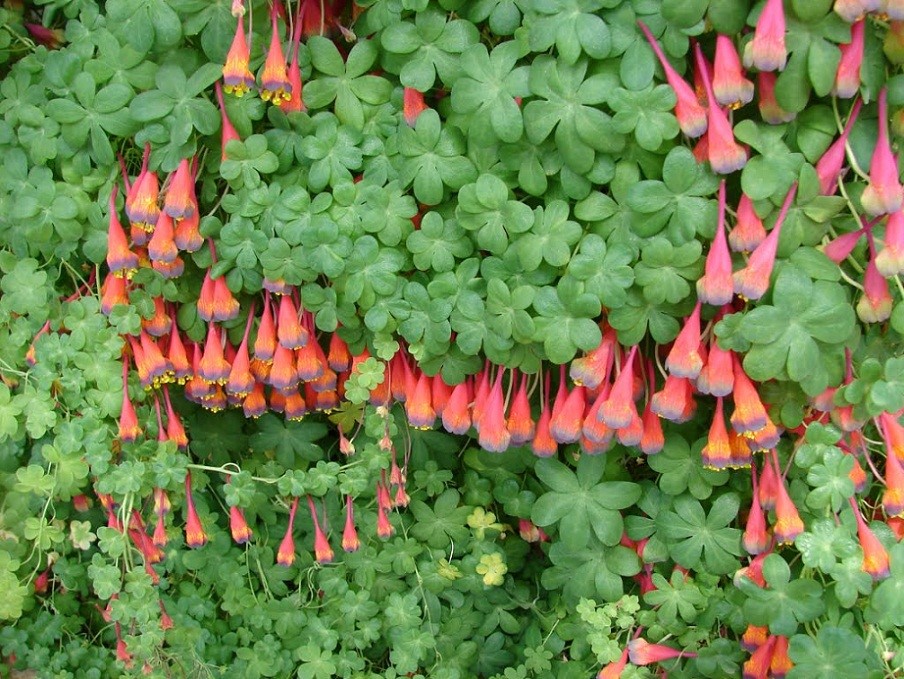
x: 698, y: 540
x: 581, y: 504
x: 835, y: 653
x: 784, y: 603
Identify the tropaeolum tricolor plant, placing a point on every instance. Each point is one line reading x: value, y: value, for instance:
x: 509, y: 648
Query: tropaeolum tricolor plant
x: 516, y: 338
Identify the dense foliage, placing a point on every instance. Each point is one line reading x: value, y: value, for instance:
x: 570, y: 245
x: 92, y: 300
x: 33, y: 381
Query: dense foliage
x: 504, y: 338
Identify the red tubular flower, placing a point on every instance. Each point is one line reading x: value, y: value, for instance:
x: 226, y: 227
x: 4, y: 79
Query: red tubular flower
x: 716, y: 378
x: 890, y: 260
x: 121, y: 260
x: 456, y: 415
x: 765, y: 437
x: 724, y: 153
x: 875, y: 304
x: 412, y: 105
x: 338, y: 356
x: 757, y: 667
x: 781, y: 662
x: 684, y: 359
x: 519, y: 423
x: 839, y: 248
x: 770, y: 109
x: 566, y: 421
x: 122, y: 652
x: 296, y: 406
x: 155, y: 363
x: 296, y: 102
x: 893, y: 497
x: 275, y: 85
x: 854, y: 10
x: 754, y: 637
x: 847, y: 77
x: 141, y: 198
x: 716, y: 286
x: 238, y: 526
x: 113, y: 292
x: 875, y: 557
x: 187, y: 233
x: 614, y: 669
x: 653, y: 438
x: 322, y: 550
x: 213, y: 368
x: 641, y: 652
x: 194, y: 531
x: 493, y: 435
x: 752, y: 281
x: 350, y: 542
x: 310, y: 363
x: 172, y: 269
x: 205, y: 305
x: 748, y: 231
x: 285, y: 556
x: 162, y: 248
x: 594, y: 368
x: 237, y: 77
x: 543, y: 444
x: 717, y: 451
x: 893, y: 435
x: 756, y: 534
x: 160, y: 323
x: 175, y: 430
x: 241, y: 381
x: 229, y: 132
x: 883, y: 194
x: 255, y: 403
x: 788, y: 524
x: 129, y: 429
x: 767, y: 52
x: 749, y: 414
x: 266, y: 341
x: 690, y: 114
x: 418, y: 405
x: 632, y: 434
x: 178, y: 201
x: 289, y: 330
x: 730, y: 86
x: 671, y: 402
x: 619, y: 409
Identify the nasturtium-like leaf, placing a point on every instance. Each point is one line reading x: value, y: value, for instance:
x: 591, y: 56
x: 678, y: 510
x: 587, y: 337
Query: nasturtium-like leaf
x: 835, y: 653
x: 830, y: 481
x: 445, y: 521
x: 647, y: 113
x: 637, y: 315
x: 698, y: 540
x: 783, y: 603
x: 681, y: 469
x: 591, y: 570
x: 428, y: 48
x: 665, y: 272
x: 603, y: 271
x: 823, y: 543
x: 487, y: 89
x: 431, y: 156
x: 573, y: 26
x: 347, y: 82
x: 800, y: 335
x: 567, y: 321
x: 438, y: 244
x: 144, y: 24
x: 289, y: 441
x: 485, y: 207
x: 581, y: 503
x: 246, y: 161
x: 768, y: 174
x: 335, y: 151
x: 677, y: 596
x: 568, y: 103
x: 551, y: 238
x: 678, y: 203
